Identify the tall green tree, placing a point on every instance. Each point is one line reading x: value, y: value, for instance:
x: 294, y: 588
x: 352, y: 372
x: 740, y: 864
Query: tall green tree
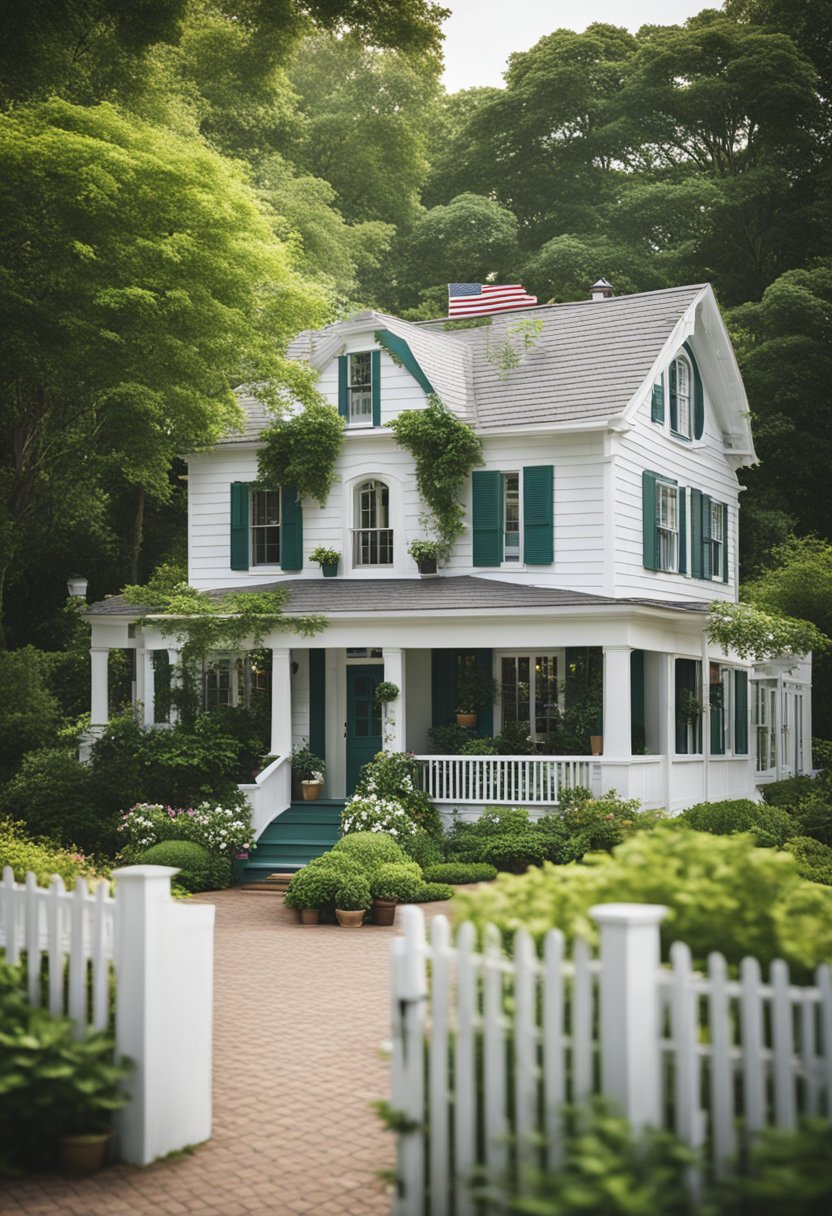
x: 141, y: 280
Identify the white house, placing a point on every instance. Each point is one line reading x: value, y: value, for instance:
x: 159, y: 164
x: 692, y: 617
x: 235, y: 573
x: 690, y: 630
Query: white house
x: 600, y: 528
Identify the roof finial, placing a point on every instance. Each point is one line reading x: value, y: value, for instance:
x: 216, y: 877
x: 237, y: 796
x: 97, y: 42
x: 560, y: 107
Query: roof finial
x: 602, y: 290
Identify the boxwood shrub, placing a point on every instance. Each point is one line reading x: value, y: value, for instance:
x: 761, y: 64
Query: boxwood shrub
x: 814, y: 859
x: 429, y: 892
x: 199, y: 870
x: 789, y: 792
x: 396, y: 880
x: 460, y: 872
x: 771, y: 826
x: 369, y: 848
x: 514, y: 851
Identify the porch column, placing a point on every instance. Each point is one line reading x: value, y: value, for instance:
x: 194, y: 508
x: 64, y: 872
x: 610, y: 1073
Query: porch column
x: 99, y: 698
x: 148, y: 686
x: 281, y: 741
x: 175, y: 662
x: 617, y: 736
x: 394, y: 726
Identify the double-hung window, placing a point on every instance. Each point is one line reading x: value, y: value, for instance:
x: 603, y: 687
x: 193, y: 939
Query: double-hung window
x: 373, y: 537
x: 664, y: 524
x: 359, y: 388
x: 717, y: 539
x: 265, y: 527
x: 680, y: 397
x: 512, y: 548
x: 513, y: 516
x: 667, y: 525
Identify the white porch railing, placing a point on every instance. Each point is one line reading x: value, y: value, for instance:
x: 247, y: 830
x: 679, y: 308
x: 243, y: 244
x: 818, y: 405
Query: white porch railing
x: 509, y: 1041
x: 161, y: 953
x: 269, y: 794
x: 482, y: 780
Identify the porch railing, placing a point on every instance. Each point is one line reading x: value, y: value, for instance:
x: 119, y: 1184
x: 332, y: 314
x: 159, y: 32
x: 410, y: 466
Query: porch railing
x: 372, y: 547
x: 481, y: 780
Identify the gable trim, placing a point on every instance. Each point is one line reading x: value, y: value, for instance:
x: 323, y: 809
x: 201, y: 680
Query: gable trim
x: 400, y: 353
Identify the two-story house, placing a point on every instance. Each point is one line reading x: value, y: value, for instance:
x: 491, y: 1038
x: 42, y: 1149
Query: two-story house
x: 601, y: 526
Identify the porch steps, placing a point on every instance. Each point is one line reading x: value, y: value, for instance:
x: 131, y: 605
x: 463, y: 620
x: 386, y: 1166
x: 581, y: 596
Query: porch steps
x: 305, y: 830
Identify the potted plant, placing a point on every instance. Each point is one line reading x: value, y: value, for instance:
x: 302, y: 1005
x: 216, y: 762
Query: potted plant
x: 306, y: 894
x: 425, y: 553
x: 393, y: 883
x: 475, y: 689
x: 386, y: 692
x: 352, y: 900
x: 327, y: 559
x: 307, y: 772
x: 85, y: 1098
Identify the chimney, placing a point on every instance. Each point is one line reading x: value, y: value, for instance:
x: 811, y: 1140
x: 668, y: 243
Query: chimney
x: 602, y: 290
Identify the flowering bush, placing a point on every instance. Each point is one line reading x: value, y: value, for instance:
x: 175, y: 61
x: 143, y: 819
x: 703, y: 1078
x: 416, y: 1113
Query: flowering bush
x: 395, y: 776
x: 371, y: 813
x: 221, y: 829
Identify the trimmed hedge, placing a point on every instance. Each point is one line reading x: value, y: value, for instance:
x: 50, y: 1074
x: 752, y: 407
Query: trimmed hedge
x: 459, y: 872
x: 396, y: 880
x: 369, y: 848
x: 429, y: 892
x: 790, y: 792
x: 771, y: 826
x: 514, y: 851
x: 199, y: 870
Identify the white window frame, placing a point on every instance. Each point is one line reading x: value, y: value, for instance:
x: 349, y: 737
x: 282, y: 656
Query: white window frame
x: 361, y: 391
x: 718, y: 512
x: 684, y: 414
x: 373, y: 543
x: 559, y: 657
x: 256, y: 496
x: 513, y: 562
x: 667, y: 527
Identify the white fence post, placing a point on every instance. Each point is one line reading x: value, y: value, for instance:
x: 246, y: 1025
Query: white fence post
x: 164, y: 1013
x: 630, y: 1031
x: 409, y: 995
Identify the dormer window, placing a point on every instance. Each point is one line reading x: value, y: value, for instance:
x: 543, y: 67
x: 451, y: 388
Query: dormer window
x: 680, y: 397
x: 373, y: 538
x: 359, y: 388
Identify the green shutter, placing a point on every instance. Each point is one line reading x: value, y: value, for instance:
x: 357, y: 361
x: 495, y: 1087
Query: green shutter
x: 741, y: 713
x: 650, y: 549
x: 725, y: 543
x: 696, y: 533
x: 239, y: 525
x: 683, y: 529
x: 538, y: 545
x: 638, y: 734
x: 443, y: 669
x: 657, y: 401
x: 291, y: 530
x: 487, y: 510
x: 344, y: 386
x: 375, y: 367
x: 674, y: 404
x: 317, y: 702
x: 706, y: 537
x: 698, y: 396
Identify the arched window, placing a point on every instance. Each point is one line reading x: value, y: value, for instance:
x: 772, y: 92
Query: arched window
x: 680, y: 396
x: 372, y: 536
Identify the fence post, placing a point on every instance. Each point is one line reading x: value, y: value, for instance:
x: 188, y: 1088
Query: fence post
x: 630, y: 1054
x: 164, y: 1011
x: 409, y: 995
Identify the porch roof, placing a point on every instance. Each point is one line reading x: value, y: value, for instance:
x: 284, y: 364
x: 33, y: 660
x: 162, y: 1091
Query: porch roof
x: 461, y: 593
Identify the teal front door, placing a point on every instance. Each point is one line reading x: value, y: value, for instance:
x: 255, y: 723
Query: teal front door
x: 363, y: 719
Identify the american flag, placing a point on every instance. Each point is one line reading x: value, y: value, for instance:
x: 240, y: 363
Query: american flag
x: 474, y: 299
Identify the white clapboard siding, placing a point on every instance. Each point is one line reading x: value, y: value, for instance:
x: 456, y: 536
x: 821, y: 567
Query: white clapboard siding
x: 66, y: 927
x: 512, y: 1040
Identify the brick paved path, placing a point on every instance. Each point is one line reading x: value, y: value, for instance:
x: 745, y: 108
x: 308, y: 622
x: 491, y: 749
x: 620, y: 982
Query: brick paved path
x: 299, y: 1015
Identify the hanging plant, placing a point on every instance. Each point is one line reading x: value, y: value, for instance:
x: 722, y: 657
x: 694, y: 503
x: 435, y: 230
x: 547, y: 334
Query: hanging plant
x: 301, y: 451
x: 386, y: 692
x: 445, y: 451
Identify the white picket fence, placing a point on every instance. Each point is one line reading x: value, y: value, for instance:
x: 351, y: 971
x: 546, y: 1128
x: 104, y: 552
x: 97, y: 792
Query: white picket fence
x: 487, y: 1054
x: 159, y: 954
x: 480, y: 780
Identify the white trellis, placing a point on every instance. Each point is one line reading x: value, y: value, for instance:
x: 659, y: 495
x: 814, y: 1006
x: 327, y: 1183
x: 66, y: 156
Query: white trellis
x: 700, y: 1054
x: 160, y: 955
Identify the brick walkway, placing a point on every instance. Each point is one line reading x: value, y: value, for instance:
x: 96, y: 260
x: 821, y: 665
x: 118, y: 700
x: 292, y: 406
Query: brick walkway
x: 300, y: 1013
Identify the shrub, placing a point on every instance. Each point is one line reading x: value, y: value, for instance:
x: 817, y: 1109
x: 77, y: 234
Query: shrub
x: 395, y: 776
x: 53, y: 1083
x: 460, y: 872
x: 813, y: 816
x: 42, y: 857
x: 770, y: 826
x: 51, y: 794
x: 789, y: 792
x: 199, y: 871
x: 222, y: 829
x: 723, y: 894
x: 814, y: 859
x: 353, y: 892
x: 447, y: 740
x: 514, y: 851
x: 369, y: 849
x: 29, y: 714
x: 430, y: 892
x: 396, y: 880
x: 372, y: 813
x: 317, y: 883
x: 423, y: 848
x: 788, y: 1173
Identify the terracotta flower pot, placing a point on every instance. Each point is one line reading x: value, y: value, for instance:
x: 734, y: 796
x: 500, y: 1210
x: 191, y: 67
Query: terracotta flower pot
x: 309, y: 916
x: 349, y: 919
x: 596, y: 743
x: 311, y: 790
x: 467, y: 720
x: 83, y: 1154
x: 384, y: 911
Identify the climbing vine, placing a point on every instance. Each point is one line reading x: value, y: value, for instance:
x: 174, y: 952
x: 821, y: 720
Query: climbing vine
x: 301, y: 450
x: 445, y: 450
x: 519, y: 338
x: 760, y: 635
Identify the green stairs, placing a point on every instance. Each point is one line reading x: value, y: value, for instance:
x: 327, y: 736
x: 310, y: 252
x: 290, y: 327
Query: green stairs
x: 305, y: 830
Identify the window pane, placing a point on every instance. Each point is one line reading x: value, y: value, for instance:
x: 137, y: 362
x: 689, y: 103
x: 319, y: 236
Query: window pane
x: 511, y: 513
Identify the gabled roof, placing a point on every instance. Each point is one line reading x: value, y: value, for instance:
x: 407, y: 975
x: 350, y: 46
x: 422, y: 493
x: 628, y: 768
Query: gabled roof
x: 591, y: 363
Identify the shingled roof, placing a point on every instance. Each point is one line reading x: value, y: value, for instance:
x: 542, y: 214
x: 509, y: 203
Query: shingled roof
x: 586, y: 364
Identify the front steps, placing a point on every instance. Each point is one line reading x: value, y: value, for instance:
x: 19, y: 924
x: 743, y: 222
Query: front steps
x: 305, y: 830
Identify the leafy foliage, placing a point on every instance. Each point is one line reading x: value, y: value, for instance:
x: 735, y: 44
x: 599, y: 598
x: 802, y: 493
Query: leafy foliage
x: 370, y: 848
x: 770, y: 826
x: 42, y: 857
x: 445, y: 450
x: 301, y: 450
x: 396, y: 880
x: 458, y: 872
x: 199, y: 870
x: 757, y: 634
x: 29, y: 712
x: 395, y: 776
x: 432, y: 892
